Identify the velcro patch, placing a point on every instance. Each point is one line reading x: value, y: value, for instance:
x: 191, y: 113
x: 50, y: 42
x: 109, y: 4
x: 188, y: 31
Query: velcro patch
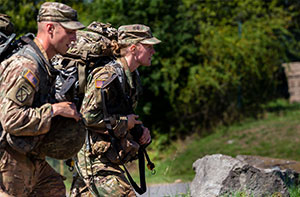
x: 22, y: 94
x: 99, y: 83
x: 33, y: 80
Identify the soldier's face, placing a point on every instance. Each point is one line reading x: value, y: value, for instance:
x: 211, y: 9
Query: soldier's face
x: 144, y: 54
x: 62, y: 38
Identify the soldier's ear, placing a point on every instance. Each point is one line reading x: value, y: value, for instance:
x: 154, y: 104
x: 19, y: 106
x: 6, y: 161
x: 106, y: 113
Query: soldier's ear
x: 132, y: 48
x: 50, y: 28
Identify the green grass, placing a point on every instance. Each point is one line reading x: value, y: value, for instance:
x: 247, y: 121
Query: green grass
x: 294, y: 191
x: 275, y: 134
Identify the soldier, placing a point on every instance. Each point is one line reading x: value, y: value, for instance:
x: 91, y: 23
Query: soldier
x: 98, y: 161
x: 27, y: 79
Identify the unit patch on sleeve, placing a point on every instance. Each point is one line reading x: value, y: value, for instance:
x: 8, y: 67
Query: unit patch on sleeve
x: 22, y: 94
x: 33, y: 80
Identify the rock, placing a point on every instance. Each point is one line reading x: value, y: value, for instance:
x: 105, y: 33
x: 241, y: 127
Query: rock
x: 219, y: 175
x: 270, y: 163
x: 288, y: 170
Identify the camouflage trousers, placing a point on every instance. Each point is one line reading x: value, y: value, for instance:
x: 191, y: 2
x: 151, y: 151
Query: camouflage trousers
x: 24, y: 176
x: 106, y: 184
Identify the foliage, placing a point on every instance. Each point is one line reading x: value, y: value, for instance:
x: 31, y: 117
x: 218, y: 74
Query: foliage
x: 24, y: 13
x: 219, y: 60
x: 238, y: 60
x: 294, y: 191
x: 217, y: 63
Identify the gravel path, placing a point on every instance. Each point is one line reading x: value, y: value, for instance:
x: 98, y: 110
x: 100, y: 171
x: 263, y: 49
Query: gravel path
x: 167, y: 190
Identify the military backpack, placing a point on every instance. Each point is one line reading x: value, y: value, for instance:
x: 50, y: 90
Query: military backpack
x: 93, y: 48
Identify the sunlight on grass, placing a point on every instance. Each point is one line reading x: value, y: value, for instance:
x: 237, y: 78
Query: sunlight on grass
x: 275, y: 134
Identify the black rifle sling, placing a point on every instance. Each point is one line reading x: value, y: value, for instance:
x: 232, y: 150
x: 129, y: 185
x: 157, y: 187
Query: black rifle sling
x: 142, y: 189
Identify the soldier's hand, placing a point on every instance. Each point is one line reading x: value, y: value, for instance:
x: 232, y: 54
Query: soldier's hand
x: 146, y: 137
x: 131, y: 121
x: 66, y: 109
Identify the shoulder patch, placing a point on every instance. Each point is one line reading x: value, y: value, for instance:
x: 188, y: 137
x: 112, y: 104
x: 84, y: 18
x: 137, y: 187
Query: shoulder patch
x: 33, y: 80
x: 99, y: 83
x: 22, y: 94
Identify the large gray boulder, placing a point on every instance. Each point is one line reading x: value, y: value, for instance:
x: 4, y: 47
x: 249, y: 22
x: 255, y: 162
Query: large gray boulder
x: 221, y: 175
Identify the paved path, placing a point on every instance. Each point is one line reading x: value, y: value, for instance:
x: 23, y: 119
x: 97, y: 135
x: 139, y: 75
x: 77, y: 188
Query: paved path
x: 167, y: 190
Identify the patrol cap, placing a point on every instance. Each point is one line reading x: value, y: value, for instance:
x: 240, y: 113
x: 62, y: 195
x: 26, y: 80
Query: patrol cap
x: 5, y: 25
x: 136, y: 33
x: 61, y: 13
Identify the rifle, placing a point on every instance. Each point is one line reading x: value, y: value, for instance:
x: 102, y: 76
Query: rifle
x: 125, y: 108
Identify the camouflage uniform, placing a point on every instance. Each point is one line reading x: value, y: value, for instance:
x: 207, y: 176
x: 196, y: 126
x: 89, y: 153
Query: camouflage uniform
x: 98, y: 162
x: 25, y: 87
x: 6, y: 26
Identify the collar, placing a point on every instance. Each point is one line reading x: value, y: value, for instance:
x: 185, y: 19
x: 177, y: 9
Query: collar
x: 128, y: 74
x: 38, y: 43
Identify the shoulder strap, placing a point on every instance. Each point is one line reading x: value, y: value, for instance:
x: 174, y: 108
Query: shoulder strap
x: 119, y: 71
x: 35, y: 57
x: 40, y: 56
x: 81, y: 76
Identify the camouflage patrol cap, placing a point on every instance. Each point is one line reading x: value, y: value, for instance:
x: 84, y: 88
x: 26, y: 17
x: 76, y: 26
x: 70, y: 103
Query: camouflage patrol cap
x: 61, y: 13
x: 5, y: 25
x: 137, y: 33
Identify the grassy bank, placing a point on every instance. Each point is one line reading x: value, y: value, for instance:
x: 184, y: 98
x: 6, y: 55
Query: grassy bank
x: 276, y: 133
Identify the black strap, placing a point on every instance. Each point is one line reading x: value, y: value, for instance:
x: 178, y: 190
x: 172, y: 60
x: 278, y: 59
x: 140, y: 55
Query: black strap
x: 67, y: 84
x: 150, y: 164
x: 143, y: 188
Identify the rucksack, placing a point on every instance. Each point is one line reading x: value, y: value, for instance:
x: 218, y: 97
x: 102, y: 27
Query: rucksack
x: 94, y: 47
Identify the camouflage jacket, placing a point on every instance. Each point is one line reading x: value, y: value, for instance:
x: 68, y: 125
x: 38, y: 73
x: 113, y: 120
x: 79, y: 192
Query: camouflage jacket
x: 92, y: 111
x: 24, y: 95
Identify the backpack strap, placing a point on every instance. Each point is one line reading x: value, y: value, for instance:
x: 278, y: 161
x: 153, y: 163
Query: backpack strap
x: 67, y: 84
x: 81, y: 77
